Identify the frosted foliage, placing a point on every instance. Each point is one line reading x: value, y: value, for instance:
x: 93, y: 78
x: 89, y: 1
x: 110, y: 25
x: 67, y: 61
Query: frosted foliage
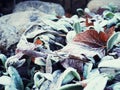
x: 94, y: 5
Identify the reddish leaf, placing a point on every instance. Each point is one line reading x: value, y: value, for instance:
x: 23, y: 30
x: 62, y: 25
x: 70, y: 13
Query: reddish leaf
x: 93, y: 38
x: 110, y: 31
x: 103, y: 37
x: 88, y: 23
x: 38, y: 42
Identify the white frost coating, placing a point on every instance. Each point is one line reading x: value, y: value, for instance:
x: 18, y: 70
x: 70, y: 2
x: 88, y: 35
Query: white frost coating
x: 12, y: 26
x: 8, y: 35
x: 46, y: 7
x: 5, y: 80
x: 78, y: 49
x: 98, y: 83
x: 115, y: 63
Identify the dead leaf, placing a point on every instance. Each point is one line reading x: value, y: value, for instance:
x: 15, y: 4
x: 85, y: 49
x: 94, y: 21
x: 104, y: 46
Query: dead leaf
x: 110, y: 31
x: 93, y: 38
x: 78, y: 54
x: 74, y: 63
x: 38, y: 42
x: 88, y: 23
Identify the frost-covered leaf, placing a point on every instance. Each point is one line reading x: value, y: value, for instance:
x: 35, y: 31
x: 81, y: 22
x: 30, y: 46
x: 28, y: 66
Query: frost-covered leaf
x: 17, y: 80
x: 27, y: 88
x: 67, y: 76
x: 70, y: 36
x: 40, y: 77
x: 5, y: 80
x: 95, y: 83
x: 108, y: 15
x: 116, y: 51
x: 3, y: 58
x: 114, y: 39
x: 10, y: 88
x: 87, y: 68
x: 80, y: 11
x: 114, y: 63
x: 55, y: 25
x: 48, y: 64
x: 115, y: 86
x: 46, y: 75
x: 117, y: 15
x: 39, y: 61
x: 78, y: 54
x: 14, y: 61
x: 71, y: 87
x: 107, y: 58
x: 45, y: 85
x: 77, y: 27
x: 79, y: 50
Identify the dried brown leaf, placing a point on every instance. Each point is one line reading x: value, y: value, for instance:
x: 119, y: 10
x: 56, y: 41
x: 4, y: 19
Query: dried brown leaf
x: 93, y: 38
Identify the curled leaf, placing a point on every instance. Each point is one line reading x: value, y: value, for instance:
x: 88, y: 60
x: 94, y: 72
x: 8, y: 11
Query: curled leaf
x: 80, y: 11
x: 77, y: 27
x: 5, y: 80
x: 108, y: 15
x: 114, y: 39
x: 17, y: 81
x: 3, y: 58
x: 40, y: 77
x: 71, y: 87
x: 68, y: 75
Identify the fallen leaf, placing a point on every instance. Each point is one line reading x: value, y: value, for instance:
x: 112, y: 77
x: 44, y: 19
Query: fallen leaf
x: 93, y: 38
x: 110, y: 32
x: 38, y: 42
x: 78, y: 54
x: 88, y: 23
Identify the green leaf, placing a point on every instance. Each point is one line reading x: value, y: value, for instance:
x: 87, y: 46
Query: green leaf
x: 116, y: 86
x: 3, y: 58
x: 16, y: 78
x: 67, y: 76
x: 27, y: 88
x: 71, y: 87
x: 80, y: 12
x: 40, y: 77
x: 87, y: 68
x: 117, y: 25
x: 108, y: 15
x: 77, y: 27
x: 114, y: 39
